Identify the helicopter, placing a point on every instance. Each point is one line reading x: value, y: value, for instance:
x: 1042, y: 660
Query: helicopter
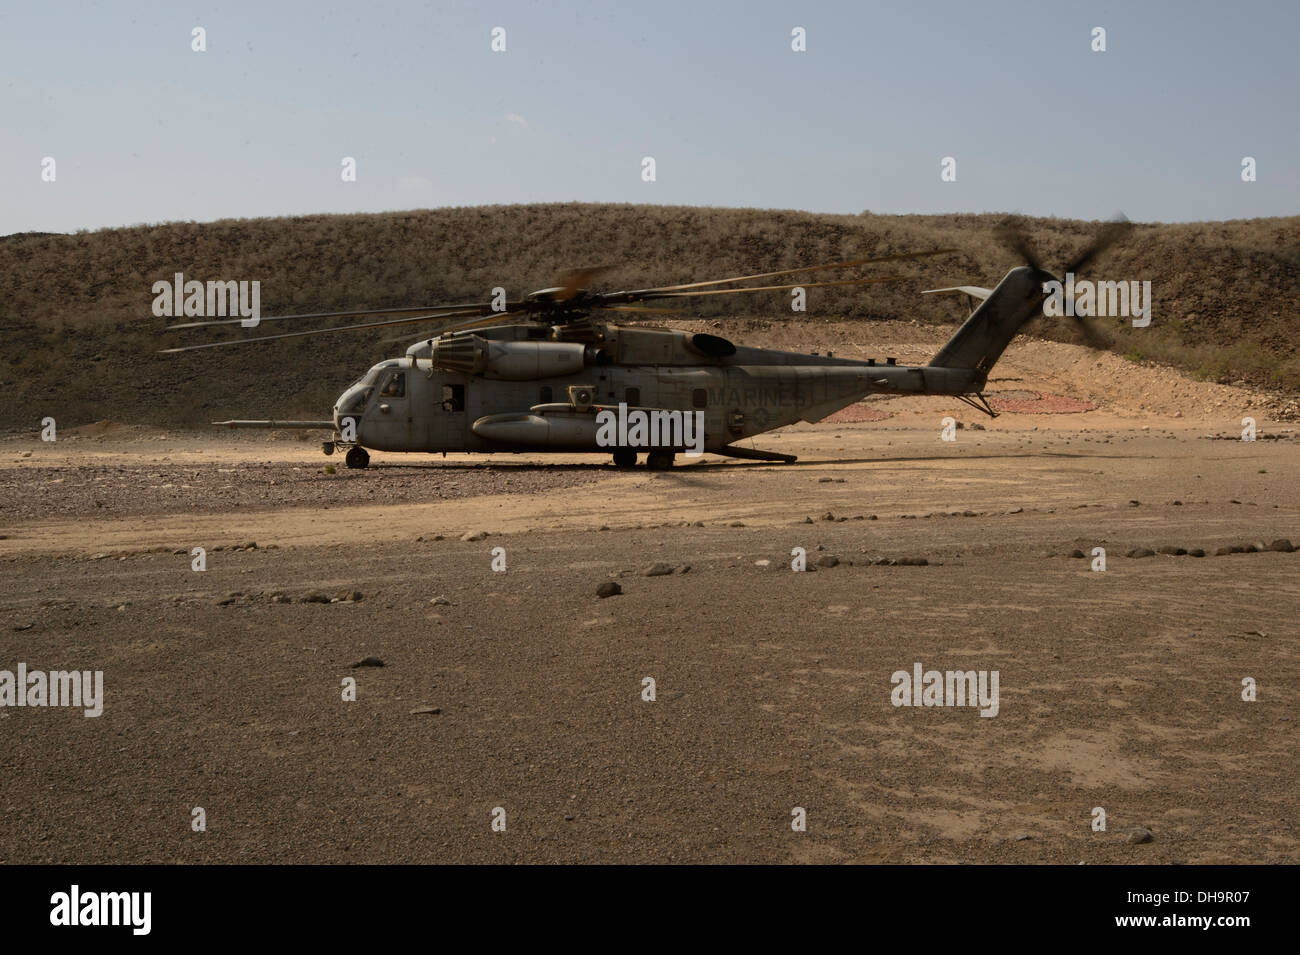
x: 549, y: 373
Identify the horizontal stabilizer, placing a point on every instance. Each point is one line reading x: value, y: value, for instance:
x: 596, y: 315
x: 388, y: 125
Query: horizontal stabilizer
x: 974, y: 291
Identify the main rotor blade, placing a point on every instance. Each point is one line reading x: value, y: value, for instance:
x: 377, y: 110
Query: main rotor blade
x: 575, y: 280
x: 1107, y: 236
x: 345, y: 328
x: 850, y: 263
x: 353, y: 314
x: 774, y: 288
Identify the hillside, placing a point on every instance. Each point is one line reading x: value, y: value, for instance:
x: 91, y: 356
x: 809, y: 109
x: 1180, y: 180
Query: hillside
x: 81, y: 342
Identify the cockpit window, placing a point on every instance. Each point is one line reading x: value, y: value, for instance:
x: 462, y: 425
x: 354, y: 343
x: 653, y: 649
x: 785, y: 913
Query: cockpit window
x: 357, y: 403
x: 395, y: 386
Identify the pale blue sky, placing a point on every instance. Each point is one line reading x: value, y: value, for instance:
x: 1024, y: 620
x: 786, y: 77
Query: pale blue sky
x: 145, y: 130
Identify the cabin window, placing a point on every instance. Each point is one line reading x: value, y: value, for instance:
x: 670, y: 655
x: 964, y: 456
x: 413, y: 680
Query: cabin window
x: 700, y: 398
x: 545, y: 396
x: 453, y: 397
x: 633, y: 397
x: 395, y: 386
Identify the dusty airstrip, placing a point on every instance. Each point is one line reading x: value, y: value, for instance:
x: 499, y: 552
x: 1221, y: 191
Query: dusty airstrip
x: 522, y: 690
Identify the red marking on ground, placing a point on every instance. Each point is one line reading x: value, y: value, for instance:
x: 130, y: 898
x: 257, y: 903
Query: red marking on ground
x: 1038, y: 402
x: 858, y: 412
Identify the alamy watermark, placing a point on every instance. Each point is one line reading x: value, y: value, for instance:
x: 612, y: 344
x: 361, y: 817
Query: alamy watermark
x: 214, y: 299
x: 1087, y: 299
x: 924, y: 687
x: 82, y: 688
x: 637, y: 428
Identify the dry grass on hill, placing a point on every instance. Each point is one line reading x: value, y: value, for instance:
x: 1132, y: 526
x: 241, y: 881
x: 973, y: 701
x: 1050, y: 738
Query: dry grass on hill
x: 81, y: 340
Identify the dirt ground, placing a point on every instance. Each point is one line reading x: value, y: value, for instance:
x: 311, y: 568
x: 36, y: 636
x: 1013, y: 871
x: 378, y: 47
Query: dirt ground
x: 522, y: 690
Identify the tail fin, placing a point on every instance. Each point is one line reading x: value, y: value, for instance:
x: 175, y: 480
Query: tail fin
x: 986, y: 333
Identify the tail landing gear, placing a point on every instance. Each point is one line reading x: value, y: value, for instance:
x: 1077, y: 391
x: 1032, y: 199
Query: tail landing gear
x: 357, y: 458
x: 624, y: 458
x: 659, y: 460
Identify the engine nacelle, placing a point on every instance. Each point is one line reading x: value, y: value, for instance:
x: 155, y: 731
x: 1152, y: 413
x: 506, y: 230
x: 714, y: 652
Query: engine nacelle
x: 507, y: 361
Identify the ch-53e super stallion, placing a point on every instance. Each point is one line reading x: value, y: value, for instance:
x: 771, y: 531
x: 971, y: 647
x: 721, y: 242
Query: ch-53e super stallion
x: 547, y: 374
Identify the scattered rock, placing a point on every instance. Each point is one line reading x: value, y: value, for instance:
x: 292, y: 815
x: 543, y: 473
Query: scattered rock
x: 1196, y: 552
x: 440, y: 602
x: 368, y: 662
x: 1141, y: 552
x: 684, y: 569
x: 1282, y: 545
x: 657, y: 569
x: 1139, y: 836
x: 608, y: 589
x: 828, y: 516
x: 315, y: 599
x: 471, y: 536
x: 806, y: 520
x: 426, y: 710
x: 1171, y: 550
x: 1076, y: 553
x: 913, y: 562
x: 1223, y: 551
x: 828, y: 561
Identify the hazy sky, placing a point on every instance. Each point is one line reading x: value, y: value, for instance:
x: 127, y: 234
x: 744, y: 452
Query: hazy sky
x: 144, y: 129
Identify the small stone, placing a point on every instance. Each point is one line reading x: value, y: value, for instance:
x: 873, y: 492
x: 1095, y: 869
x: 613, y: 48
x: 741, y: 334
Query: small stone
x: 470, y: 536
x: 1076, y: 553
x: 1196, y: 552
x: 440, y: 602
x: 368, y: 662
x: 1141, y: 552
x: 1281, y: 545
x: 828, y: 561
x: 426, y: 710
x: 608, y: 589
x: 806, y: 520
x: 315, y: 599
x: 684, y: 569
x: 1139, y: 836
x: 657, y: 569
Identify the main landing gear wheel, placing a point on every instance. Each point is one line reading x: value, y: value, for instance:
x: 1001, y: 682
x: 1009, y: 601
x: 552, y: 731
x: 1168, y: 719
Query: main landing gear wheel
x: 357, y: 458
x: 624, y: 458
x: 659, y: 460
